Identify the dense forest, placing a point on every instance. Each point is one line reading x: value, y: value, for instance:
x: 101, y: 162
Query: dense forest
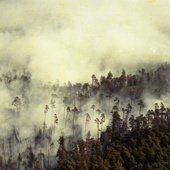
x: 119, y: 123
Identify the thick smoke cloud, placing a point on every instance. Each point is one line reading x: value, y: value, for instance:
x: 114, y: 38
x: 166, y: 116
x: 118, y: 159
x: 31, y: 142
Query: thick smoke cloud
x: 70, y: 40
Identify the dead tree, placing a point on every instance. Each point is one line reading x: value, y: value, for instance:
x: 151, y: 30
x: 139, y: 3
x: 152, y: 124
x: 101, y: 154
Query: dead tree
x: 17, y: 104
x: 88, y: 118
x: 102, y: 120
x: 97, y: 121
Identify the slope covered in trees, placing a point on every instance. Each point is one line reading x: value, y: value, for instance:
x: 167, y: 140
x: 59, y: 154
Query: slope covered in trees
x: 105, y: 124
x: 144, y: 145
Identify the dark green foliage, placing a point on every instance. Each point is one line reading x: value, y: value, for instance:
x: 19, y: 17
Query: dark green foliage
x: 139, y: 149
x: 139, y: 141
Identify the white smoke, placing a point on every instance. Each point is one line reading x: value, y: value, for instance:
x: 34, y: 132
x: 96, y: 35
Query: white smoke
x: 71, y: 40
x: 66, y: 38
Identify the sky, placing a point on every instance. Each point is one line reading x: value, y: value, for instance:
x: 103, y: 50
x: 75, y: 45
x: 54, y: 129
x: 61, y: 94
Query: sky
x: 73, y: 39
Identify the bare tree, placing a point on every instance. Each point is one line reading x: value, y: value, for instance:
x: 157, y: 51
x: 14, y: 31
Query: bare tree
x: 44, y: 126
x: 75, y: 117
x: 141, y: 106
x: 102, y: 120
x: 55, y: 121
x: 97, y: 121
x: 17, y: 104
x: 3, y: 151
x: 126, y: 111
x: 88, y: 118
x: 67, y: 115
x: 93, y: 107
x: 52, y: 102
x: 19, y: 161
x: 45, y: 112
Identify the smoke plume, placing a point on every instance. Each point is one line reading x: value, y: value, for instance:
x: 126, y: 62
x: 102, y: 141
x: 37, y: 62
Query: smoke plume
x: 65, y: 38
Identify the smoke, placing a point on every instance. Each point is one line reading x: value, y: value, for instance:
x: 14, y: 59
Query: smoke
x: 71, y: 40
x: 66, y: 38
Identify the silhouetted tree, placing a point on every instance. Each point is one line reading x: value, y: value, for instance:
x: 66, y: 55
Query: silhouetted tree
x: 141, y: 106
x: 17, y: 104
x: 55, y: 121
x: 97, y: 121
x: 88, y: 118
x: 102, y: 120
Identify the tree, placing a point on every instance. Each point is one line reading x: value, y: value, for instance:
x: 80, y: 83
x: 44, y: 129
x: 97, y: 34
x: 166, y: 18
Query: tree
x: 67, y: 115
x: 88, y: 118
x: 75, y: 117
x: 126, y: 111
x: 86, y: 90
x: 132, y: 122
x: 95, y: 84
x: 123, y: 79
x: 19, y: 161
x: 30, y: 158
x: 139, y: 122
x: 97, y: 121
x: 149, y: 117
x: 102, y: 120
x: 45, y: 112
x: 109, y: 75
x: 44, y: 126
x: 3, y: 151
x: 93, y: 107
x: 162, y: 110
x: 55, y: 121
x: 66, y: 102
x: 52, y: 102
x: 17, y: 104
x: 116, y: 124
x: 156, y: 110
x: 141, y: 106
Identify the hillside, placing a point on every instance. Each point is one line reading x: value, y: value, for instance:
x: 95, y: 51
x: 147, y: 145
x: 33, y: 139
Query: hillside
x: 111, y: 123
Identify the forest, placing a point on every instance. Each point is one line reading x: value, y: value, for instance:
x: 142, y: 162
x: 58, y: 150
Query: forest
x: 110, y: 123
